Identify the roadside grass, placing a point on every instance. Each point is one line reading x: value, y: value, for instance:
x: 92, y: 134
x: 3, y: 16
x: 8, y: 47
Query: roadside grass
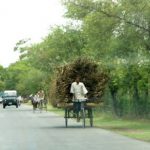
x: 135, y: 128
x: 59, y: 111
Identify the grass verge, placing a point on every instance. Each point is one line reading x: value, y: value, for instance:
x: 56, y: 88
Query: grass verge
x: 137, y: 128
x: 55, y: 110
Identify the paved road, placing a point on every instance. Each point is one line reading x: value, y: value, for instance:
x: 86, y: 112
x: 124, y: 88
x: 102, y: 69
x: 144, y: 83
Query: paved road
x: 21, y: 129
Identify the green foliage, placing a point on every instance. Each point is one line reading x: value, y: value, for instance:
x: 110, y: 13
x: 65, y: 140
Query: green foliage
x: 62, y: 44
x: 116, y: 34
x: 2, y: 85
x: 30, y: 82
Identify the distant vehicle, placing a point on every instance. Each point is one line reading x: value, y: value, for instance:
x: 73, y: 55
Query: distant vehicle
x: 10, y: 98
x: 1, y: 99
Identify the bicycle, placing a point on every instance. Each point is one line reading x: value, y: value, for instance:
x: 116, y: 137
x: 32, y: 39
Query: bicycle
x: 80, y: 112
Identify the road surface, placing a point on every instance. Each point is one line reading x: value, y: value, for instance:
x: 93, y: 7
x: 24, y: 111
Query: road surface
x: 21, y: 129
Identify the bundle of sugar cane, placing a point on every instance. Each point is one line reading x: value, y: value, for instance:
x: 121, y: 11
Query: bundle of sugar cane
x: 91, y: 74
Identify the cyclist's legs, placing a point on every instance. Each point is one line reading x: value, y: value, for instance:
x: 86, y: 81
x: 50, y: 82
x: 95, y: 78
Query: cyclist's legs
x: 76, y: 106
x: 34, y: 105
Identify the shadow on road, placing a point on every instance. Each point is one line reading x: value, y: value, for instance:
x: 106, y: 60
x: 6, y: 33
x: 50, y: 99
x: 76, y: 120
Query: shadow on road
x: 49, y: 116
x: 63, y: 127
x: 12, y: 108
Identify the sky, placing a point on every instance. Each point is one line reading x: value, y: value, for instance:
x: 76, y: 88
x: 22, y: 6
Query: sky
x: 22, y: 19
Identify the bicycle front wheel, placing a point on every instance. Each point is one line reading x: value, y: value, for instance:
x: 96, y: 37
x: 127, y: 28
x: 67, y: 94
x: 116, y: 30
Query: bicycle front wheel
x: 66, y: 117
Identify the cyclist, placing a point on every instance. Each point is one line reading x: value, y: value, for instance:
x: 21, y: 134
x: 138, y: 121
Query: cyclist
x: 41, y: 97
x: 79, y: 92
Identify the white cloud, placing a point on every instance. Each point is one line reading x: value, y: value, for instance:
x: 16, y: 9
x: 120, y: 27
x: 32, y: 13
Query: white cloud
x: 25, y: 19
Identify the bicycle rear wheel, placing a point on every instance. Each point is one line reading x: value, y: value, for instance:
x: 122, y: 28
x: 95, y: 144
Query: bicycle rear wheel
x: 91, y: 117
x: 66, y: 117
x: 40, y: 106
x: 83, y: 117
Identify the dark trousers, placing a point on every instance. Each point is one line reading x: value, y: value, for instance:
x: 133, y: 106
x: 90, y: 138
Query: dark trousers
x: 77, y: 106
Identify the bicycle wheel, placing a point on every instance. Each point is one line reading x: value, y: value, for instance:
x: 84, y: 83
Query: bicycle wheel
x: 91, y: 117
x: 83, y: 117
x: 40, y: 106
x: 45, y: 105
x: 34, y: 104
x: 66, y: 117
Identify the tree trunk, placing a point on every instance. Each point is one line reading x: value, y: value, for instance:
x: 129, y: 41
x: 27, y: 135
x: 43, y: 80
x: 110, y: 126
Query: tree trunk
x: 114, y: 100
x: 136, y: 97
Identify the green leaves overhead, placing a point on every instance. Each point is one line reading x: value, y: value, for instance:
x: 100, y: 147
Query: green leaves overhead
x: 62, y: 44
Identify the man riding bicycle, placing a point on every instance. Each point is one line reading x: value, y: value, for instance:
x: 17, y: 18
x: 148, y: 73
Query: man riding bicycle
x: 79, y: 92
